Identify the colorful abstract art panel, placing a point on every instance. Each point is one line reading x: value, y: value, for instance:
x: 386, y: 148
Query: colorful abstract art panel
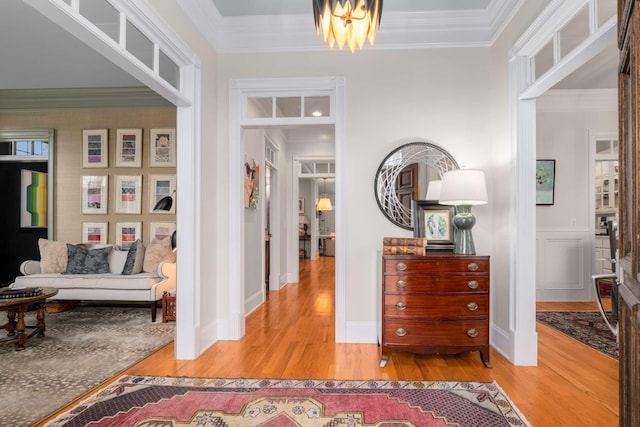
x: 33, y: 199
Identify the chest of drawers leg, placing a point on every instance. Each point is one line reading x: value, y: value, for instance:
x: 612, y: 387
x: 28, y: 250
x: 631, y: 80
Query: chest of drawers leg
x: 435, y: 304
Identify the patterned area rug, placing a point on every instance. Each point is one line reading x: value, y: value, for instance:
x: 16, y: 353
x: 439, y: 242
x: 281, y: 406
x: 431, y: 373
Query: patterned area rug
x: 180, y: 401
x: 81, y: 349
x: 587, y: 327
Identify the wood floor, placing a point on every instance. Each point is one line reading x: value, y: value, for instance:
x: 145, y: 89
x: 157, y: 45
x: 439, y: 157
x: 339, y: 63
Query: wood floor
x: 292, y: 336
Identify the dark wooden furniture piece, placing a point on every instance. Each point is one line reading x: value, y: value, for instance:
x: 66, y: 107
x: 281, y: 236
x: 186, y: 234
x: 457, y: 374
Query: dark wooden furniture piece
x: 303, y: 239
x: 629, y: 213
x: 16, y: 308
x: 438, y: 303
x: 168, y: 307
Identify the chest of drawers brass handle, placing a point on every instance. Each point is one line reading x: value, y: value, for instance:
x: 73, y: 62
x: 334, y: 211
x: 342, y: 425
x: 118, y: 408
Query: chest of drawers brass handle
x: 401, y: 284
x: 473, y: 284
x: 401, y: 332
x: 402, y: 266
x: 472, y: 306
x: 472, y: 266
x: 472, y: 332
x: 401, y: 306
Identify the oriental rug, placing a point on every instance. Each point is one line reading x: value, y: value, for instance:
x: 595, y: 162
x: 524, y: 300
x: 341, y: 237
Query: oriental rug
x: 180, y: 401
x: 587, y: 327
x: 81, y: 349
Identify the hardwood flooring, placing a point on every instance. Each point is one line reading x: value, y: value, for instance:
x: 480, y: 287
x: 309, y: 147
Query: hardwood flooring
x: 292, y: 336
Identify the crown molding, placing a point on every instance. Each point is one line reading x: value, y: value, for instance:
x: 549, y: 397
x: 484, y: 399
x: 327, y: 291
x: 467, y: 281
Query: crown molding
x: 572, y: 101
x: 19, y: 100
x: 398, y: 30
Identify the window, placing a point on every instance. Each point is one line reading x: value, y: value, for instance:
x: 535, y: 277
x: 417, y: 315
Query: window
x: 36, y: 149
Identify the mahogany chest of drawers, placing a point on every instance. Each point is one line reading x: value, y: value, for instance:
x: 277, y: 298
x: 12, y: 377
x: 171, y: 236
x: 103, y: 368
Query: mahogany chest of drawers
x: 435, y: 304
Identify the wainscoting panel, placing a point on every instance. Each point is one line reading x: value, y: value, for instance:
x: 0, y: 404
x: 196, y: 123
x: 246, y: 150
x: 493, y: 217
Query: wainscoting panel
x: 564, y: 261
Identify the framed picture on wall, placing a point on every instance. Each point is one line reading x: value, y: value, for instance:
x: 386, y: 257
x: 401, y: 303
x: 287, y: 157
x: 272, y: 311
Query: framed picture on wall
x: 545, y: 181
x: 94, y: 232
x: 161, y: 186
x: 95, y: 195
x: 161, y: 230
x: 127, y: 233
x: 128, y: 194
x: 434, y: 222
x: 162, y: 151
x: 95, y: 148
x: 129, y: 148
x: 301, y: 206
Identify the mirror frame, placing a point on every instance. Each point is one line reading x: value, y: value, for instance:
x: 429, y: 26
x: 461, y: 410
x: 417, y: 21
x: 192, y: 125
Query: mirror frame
x: 420, y: 152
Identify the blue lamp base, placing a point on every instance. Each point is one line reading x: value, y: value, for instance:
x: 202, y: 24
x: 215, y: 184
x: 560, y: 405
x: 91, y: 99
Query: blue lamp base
x: 464, y: 221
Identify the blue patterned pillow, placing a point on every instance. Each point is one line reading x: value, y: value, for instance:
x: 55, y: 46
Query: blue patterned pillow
x: 83, y: 261
x: 135, y: 258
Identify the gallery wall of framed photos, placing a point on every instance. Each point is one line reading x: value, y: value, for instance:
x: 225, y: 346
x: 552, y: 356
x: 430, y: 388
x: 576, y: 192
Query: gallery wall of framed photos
x: 111, y: 168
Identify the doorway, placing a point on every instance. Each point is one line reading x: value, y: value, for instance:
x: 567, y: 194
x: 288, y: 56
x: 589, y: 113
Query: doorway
x: 250, y: 99
x: 26, y: 167
x: 605, y: 196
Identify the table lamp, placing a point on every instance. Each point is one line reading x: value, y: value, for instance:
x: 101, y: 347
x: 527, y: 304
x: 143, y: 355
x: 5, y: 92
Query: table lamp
x: 464, y: 188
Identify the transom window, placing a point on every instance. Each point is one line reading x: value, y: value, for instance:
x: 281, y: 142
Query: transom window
x: 33, y: 149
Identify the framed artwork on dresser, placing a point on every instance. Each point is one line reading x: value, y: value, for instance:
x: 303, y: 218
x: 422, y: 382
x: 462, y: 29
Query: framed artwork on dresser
x: 434, y: 222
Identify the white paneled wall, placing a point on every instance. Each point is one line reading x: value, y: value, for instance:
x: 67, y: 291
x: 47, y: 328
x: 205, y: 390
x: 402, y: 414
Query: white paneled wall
x: 564, y: 260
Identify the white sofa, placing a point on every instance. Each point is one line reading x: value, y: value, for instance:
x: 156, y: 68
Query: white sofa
x: 112, y: 286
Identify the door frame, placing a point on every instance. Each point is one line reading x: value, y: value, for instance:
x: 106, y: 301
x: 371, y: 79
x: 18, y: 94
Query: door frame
x: 240, y: 89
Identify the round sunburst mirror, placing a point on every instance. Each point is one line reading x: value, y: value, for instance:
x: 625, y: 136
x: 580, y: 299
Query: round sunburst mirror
x: 404, y: 176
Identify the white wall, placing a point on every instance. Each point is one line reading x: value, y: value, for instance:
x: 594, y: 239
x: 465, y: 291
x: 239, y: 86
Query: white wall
x: 565, y: 239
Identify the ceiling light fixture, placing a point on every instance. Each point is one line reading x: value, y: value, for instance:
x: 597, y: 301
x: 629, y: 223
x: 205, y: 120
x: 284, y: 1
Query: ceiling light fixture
x: 347, y: 21
x: 317, y: 114
x: 324, y: 204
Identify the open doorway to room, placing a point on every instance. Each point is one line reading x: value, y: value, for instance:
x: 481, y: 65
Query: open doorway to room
x: 100, y: 65
x: 27, y: 174
x: 578, y: 47
x: 315, y: 176
x: 285, y: 109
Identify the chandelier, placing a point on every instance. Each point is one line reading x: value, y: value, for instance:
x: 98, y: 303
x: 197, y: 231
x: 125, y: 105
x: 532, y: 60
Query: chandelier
x: 348, y: 22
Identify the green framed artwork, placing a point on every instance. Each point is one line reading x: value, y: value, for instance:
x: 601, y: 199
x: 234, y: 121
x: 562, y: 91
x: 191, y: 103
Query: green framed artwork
x: 545, y: 182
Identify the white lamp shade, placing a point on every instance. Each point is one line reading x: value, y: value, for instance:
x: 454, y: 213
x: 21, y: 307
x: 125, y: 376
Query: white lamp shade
x: 433, y: 190
x: 464, y: 187
x: 324, y: 204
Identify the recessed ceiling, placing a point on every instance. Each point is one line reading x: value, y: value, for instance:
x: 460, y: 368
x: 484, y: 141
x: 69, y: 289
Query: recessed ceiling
x: 296, y: 7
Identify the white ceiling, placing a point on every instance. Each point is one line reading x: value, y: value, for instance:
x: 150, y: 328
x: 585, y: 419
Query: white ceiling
x: 38, y: 54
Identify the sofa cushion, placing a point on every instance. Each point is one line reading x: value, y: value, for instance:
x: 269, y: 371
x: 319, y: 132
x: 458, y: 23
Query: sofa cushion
x: 158, y: 251
x: 83, y: 261
x: 53, y: 256
x: 135, y: 258
x: 95, y: 282
x: 117, y: 260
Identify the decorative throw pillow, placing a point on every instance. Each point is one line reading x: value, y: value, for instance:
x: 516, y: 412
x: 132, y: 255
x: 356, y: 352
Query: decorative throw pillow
x: 135, y: 258
x: 156, y: 252
x: 82, y: 261
x: 53, y: 256
x: 117, y: 259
